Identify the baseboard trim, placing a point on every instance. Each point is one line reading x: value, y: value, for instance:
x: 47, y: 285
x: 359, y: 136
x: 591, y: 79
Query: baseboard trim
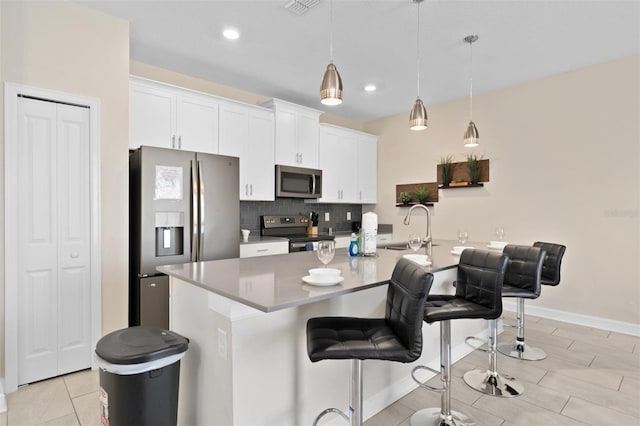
x: 3, y: 399
x: 574, y: 318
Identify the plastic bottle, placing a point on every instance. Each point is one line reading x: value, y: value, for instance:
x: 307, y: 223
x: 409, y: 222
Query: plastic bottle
x: 354, y: 250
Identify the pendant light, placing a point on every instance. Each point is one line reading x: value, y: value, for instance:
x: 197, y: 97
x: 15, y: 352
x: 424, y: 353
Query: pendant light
x: 418, y: 114
x: 471, y: 136
x: 331, y: 87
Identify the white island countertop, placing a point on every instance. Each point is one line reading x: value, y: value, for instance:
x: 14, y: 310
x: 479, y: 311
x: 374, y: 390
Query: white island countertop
x: 280, y: 276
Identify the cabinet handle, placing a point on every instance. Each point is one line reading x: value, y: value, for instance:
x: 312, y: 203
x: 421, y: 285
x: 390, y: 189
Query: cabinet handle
x: 261, y: 250
x: 179, y: 142
x: 152, y: 285
x: 251, y: 189
x: 246, y: 189
x: 360, y: 195
x: 173, y: 141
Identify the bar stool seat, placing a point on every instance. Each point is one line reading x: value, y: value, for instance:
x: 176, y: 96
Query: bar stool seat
x: 478, y: 295
x: 396, y: 337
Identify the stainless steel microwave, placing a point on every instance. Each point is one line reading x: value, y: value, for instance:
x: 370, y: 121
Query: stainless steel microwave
x: 298, y: 182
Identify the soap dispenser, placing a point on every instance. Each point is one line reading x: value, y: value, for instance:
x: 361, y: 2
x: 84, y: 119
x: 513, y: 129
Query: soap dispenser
x: 354, y: 250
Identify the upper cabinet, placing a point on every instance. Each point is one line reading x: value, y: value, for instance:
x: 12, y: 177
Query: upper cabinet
x: 296, y: 133
x: 348, y: 160
x: 168, y: 117
x: 248, y: 133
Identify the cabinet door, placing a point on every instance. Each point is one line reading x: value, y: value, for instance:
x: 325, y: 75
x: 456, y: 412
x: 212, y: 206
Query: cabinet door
x: 197, y: 124
x: 259, y: 161
x: 338, y: 164
x: 307, y: 140
x: 234, y: 139
x: 152, y: 116
x: 367, y: 169
x: 286, y: 150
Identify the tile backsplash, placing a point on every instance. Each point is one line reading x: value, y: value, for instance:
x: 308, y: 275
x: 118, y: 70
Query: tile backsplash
x: 250, y: 212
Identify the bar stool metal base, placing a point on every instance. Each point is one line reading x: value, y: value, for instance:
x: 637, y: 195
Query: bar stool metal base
x: 494, y: 384
x: 434, y: 417
x: 521, y: 351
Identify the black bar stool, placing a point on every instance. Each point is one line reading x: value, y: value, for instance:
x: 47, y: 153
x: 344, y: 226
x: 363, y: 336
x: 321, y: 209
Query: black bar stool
x: 396, y: 337
x: 552, y: 262
x: 478, y: 295
x: 522, y: 281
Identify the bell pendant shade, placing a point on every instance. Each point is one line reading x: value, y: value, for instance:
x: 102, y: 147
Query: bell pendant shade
x: 331, y: 87
x: 471, y: 136
x: 418, y: 116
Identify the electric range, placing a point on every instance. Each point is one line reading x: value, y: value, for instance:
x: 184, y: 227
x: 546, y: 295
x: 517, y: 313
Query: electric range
x: 293, y: 227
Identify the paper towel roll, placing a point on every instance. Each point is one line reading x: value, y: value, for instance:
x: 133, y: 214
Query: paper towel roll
x: 369, y: 231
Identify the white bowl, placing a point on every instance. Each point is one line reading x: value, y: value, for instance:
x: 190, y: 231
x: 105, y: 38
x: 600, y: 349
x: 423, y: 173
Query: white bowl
x: 420, y: 259
x: 459, y: 249
x: 324, y: 272
x: 498, y: 244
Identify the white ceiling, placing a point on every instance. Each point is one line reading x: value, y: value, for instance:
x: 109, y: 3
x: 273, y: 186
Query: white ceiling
x: 283, y: 55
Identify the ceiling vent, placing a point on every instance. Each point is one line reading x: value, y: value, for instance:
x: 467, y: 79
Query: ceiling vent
x: 300, y: 7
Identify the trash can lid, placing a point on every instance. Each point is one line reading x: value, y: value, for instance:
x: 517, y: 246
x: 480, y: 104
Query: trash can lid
x: 135, y: 345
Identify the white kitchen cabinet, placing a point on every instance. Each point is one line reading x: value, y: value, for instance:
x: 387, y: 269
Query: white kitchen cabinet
x: 348, y: 160
x: 168, y: 117
x: 296, y: 134
x: 367, y: 168
x: 338, y: 161
x: 247, y: 132
x: 264, y: 248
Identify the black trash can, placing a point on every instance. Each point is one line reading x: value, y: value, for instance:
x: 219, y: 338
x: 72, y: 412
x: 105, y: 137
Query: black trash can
x: 139, y: 376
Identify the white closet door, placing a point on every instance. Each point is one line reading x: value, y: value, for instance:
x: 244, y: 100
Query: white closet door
x: 54, y: 245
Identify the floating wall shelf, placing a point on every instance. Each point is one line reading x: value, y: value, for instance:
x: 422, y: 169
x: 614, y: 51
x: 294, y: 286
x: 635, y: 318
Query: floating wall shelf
x: 459, y: 171
x: 411, y: 188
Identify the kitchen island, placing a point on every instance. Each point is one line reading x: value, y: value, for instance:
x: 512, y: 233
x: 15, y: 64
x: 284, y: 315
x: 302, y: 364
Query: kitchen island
x: 246, y: 321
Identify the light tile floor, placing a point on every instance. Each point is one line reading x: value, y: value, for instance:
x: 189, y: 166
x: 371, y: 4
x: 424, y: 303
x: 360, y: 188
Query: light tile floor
x: 590, y: 377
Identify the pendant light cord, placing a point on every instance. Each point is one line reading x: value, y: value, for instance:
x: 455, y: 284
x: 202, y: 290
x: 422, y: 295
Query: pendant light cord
x: 418, y: 51
x: 331, y: 31
x: 471, y: 80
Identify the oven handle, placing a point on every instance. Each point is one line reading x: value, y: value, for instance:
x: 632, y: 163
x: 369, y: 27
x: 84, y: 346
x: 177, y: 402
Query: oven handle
x: 299, y: 245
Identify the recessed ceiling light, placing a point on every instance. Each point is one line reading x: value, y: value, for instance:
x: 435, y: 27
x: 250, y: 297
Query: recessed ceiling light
x: 231, y: 34
x: 370, y: 88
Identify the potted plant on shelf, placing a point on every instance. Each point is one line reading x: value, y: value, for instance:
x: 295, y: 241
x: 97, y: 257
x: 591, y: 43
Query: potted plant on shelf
x: 473, y: 167
x: 422, y: 194
x: 458, y: 182
x: 445, y: 170
x: 404, y: 197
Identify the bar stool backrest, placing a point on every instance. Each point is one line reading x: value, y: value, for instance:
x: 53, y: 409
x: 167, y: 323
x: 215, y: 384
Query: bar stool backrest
x: 480, y: 277
x: 524, y: 267
x: 552, y: 262
x: 404, y: 313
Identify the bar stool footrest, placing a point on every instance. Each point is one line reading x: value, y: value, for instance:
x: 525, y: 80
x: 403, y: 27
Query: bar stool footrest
x: 330, y: 410
x: 521, y: 351
x: 424, y: 384
x: 476, y: 348
x: 434, y: 417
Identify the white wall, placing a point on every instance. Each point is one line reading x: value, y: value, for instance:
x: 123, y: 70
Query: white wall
x: 564, y: 158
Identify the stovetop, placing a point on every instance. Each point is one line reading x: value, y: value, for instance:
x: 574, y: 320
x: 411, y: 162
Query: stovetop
x: 293, y: 227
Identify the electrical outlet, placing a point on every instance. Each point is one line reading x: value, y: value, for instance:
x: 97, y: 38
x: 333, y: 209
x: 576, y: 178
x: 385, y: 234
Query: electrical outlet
x: 348, y: 215
x: 327, y: 217
x: 222, y: 344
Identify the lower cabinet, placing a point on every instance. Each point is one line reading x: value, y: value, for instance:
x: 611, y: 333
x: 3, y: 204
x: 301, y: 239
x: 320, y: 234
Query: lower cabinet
x: 264, y: 249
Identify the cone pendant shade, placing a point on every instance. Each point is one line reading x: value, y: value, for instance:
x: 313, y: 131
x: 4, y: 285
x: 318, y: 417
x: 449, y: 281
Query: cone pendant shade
x: 471, y: 136
x: 331, y: 87
x: 418, y: 116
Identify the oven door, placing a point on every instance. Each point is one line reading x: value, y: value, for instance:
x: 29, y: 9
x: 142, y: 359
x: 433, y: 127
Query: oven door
x: 302, y: 246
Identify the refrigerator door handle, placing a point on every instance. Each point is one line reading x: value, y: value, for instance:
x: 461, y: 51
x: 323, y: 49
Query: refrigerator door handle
x: 201, y: 206
x: 194, y: 211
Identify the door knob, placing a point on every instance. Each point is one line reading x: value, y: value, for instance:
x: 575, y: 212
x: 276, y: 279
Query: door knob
x: 74, y: 254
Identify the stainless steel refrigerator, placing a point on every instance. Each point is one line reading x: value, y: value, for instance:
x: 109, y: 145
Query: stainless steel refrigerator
x: 183, y: 207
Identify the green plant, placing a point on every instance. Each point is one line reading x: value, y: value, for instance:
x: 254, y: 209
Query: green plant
x: 422, y: 194
x: 446, y: 169
x: 473, y: 167
x: 405, y: 197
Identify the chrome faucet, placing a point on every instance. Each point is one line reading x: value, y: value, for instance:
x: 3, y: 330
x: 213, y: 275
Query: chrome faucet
x: 407, y: 219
